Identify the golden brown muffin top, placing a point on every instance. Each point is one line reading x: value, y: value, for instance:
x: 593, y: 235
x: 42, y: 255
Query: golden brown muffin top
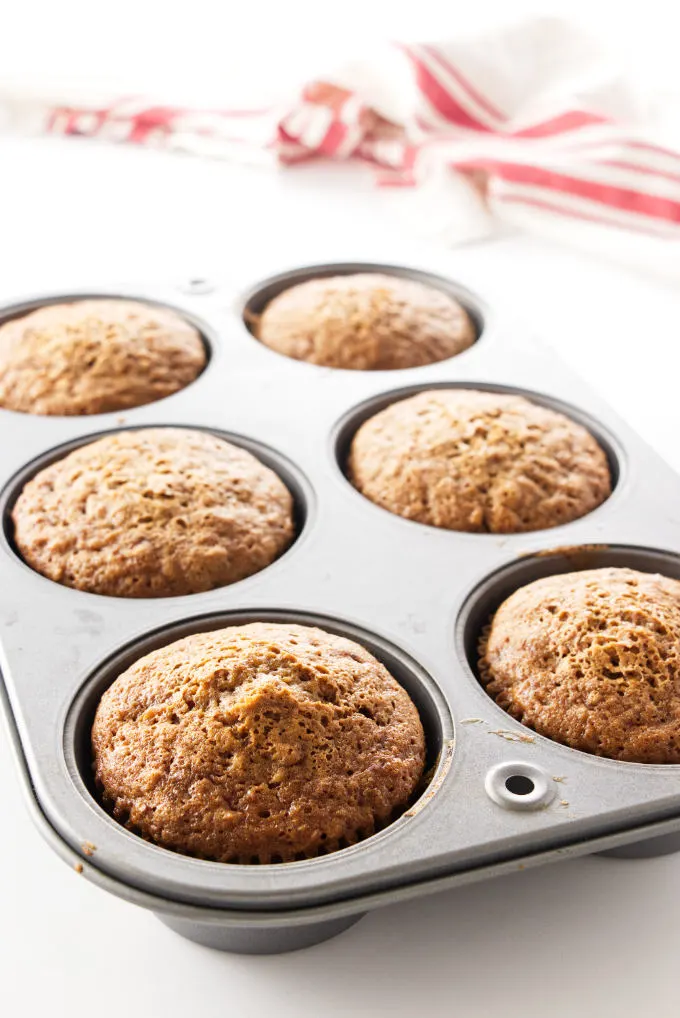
x: 367, y: 321
x: 592, y: 659
x: 96, y: 356
x: 257, y: 743
x: 154, y: 512
x: 476, y: 461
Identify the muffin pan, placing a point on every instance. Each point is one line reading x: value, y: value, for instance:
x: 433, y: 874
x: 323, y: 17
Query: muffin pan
x: 499, y: 797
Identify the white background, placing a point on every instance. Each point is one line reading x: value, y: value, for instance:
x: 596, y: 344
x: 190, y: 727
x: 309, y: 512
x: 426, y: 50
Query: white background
x: 221, y: 49
x: 589, y: 937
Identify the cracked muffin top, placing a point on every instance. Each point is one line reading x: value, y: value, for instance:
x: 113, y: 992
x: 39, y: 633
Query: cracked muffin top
x: 468, y: 460
x: 365, y: 322
x: 154, y: 512
x: 96, y: 356
x: 266, y: 742
x: 591, y: 659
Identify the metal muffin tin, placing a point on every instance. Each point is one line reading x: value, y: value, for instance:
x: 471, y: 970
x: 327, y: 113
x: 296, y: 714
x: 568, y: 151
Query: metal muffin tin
x: 500, y: 797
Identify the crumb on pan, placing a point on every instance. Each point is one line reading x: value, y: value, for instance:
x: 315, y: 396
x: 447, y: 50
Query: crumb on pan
x: 510, y: 736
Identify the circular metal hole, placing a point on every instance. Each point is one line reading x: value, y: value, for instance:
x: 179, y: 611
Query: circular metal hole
x: 519, y: 785
x: 258, y: 298
x: 424, y: 692
x: 207, y: 335
x: 346, y: 428
x: 483, y: 602
x: 292, y: 477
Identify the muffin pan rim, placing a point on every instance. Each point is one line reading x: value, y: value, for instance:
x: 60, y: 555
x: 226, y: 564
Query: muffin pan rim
x: 345, y: 429
x: 17, y: 309
x: 283, y: 917
x: 288, y: 472
x: 255, y: 300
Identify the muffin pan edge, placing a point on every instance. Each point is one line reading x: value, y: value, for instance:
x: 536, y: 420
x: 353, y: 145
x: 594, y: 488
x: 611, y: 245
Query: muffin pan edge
x: 354, y: 564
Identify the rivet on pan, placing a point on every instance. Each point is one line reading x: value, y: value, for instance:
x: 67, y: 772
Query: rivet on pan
x: 197, y: 286
x: 519, y: 785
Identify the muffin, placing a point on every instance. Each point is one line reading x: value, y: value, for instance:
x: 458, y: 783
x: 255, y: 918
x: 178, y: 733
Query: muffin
x: 96, y: 356
x: 478, y: 461
x: 367, y: 322
x: 154, y: 512
x: 592, y: 659
x: 257, y: 743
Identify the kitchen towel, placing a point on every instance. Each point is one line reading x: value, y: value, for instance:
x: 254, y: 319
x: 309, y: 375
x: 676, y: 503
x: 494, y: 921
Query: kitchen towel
x: 529, y: 126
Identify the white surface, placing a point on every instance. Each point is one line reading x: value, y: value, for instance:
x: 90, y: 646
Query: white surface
x: 590, y: 937
x: 217, y: 52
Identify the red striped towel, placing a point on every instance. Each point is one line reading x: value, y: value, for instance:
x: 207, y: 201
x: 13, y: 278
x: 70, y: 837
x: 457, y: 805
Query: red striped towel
x: 553, y: 140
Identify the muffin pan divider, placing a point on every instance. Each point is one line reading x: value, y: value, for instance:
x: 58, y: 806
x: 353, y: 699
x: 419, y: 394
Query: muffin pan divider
x: 410, y: 593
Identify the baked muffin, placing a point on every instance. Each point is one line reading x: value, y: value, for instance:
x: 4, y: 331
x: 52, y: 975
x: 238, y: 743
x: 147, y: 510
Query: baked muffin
x: 257, y: 743
x: 95, y: 356
x: 154, y: 512
x: 592, y: 660
x: 367, y: 322
x: 478, y: 461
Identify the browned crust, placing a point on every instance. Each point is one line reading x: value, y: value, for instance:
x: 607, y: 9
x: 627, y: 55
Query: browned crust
x: 258, y: 743
x: 591, y: 659
x: 155, y: 512
x: 96, y: 356
x: 476, y: 461
x: 367, y: 321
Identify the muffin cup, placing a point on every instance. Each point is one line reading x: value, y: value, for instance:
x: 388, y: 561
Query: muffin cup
x: 499, y: 585
x: 258, y: 298
x: 347, y: 427
x: 20, y: 309
x: 424, y: 693
x: 294, y: 480
x: 414, y: 595
x: 483, y: 602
